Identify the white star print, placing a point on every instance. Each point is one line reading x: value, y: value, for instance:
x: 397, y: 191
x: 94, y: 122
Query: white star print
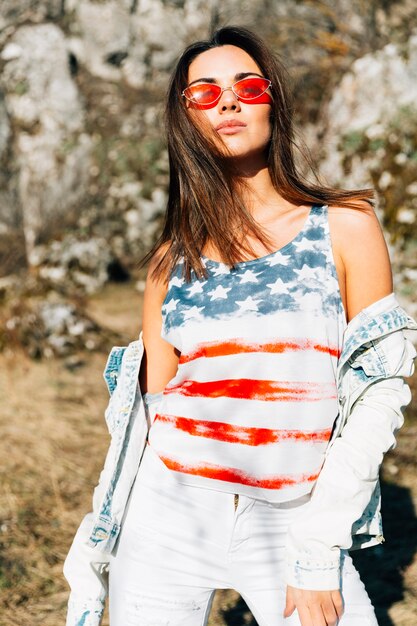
x: 305, y: 244
x: 222, y: 268
x: 249, y: 277
x: 171, y: 305
x: 306, y: 272
x: 249, y: 304
x: 278, y: 258
x: 219, y: 292
x: 322, y: 274
x: 176, y: 282
x: 196, y: 288
x: 278, y: 286
x: 193, y: 312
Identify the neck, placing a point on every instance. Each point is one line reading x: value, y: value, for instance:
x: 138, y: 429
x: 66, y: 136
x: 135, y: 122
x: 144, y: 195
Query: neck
x: 260, y: 196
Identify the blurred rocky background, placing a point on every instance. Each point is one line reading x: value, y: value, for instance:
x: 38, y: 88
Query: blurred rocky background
x: 83, y: 177
x: 83, y: 187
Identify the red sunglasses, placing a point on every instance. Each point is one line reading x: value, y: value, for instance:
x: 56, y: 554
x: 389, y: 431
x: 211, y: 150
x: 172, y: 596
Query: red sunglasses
x: 249, y: 90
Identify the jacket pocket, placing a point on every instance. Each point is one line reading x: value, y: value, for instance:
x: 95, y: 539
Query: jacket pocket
x: 368, y: 357
x: 390, y: 355
x: 399, y: 354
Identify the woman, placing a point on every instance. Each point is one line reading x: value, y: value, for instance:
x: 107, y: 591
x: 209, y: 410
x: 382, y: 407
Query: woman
x: 251, y: 289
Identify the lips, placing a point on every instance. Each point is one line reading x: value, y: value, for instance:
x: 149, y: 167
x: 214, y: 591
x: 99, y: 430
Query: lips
x: 229, y: 124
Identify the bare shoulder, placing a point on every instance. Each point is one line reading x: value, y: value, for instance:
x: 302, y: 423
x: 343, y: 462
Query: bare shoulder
x: 156, y: 287
x: 357, y: 233
x: 353, y: 217
x: 360, y: 247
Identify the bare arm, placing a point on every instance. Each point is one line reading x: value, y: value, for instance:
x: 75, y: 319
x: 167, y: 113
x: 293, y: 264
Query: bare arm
x: 160, y: 359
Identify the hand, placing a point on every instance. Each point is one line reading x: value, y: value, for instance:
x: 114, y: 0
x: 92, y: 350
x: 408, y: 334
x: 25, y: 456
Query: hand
x: 315, y: 608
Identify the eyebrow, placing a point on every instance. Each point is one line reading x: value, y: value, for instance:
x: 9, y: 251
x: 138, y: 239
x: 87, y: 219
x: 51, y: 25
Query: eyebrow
x: 237, y: 77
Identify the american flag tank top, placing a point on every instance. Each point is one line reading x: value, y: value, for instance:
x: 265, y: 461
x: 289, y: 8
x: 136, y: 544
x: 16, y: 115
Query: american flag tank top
x: 252, y: 405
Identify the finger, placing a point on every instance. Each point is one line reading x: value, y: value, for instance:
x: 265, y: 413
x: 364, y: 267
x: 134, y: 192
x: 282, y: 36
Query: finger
x: 305, y: 616
x: 338, y: 603
x: 330, y: 614
x: 289, y: 603
x: 316, y: 613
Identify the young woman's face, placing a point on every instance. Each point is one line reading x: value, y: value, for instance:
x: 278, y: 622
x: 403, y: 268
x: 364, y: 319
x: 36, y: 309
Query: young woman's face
x: 222, y: 65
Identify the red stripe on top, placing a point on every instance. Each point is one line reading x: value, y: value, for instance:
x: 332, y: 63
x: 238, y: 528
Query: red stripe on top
x: 248, y: 388
x: 238, y: 346
x: 230, y: 433
x: 232, y: 475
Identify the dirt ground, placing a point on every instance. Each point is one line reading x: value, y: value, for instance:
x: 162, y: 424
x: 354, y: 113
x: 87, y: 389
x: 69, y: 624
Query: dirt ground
x: 52, y: 446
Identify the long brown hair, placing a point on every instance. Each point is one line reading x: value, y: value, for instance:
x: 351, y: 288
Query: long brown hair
x: 203, y: 204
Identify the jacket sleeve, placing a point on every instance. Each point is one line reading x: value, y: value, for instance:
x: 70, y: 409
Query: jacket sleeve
x: 86, y: 571
x: 347, y: 480
x: 86, y: 568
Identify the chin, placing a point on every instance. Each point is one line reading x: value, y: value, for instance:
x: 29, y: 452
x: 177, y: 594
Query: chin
x: 238, y: 147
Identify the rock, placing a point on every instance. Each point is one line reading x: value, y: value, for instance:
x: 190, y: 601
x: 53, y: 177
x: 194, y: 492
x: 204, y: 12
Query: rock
x: 8, y: 285
x: 74, y: 265
x: 105, y: 36
x: 4, y: 126
x: 136, y: 41
x: 51, y: 150
x: 367, y: 99
x: 49, y: 327
x: 65, y: 329
x: 140, y: 214
x: 412, y: 188
x: 369, y: 140
x: 14, y: 13
x: 74, y: 362
x: 406, y: 216
x: 11, y: 51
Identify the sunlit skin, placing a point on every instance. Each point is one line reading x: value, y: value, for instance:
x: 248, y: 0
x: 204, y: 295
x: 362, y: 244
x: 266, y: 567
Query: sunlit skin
x: 221, y: 65
x: 357, y: 242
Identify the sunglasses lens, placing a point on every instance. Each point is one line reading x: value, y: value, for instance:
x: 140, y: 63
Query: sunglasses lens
x: 250, y: 88
x: 204, y: 93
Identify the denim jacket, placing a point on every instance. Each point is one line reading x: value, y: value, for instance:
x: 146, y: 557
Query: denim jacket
x: 344, y: 511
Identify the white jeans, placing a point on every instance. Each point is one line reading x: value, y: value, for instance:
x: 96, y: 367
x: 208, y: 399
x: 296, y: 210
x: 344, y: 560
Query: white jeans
x: 180, y: 543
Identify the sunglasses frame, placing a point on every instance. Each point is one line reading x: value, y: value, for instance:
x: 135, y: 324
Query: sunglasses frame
x: 213, y: 102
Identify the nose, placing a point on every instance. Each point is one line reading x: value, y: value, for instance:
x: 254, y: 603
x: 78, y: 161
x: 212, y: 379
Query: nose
x: 228, y: 100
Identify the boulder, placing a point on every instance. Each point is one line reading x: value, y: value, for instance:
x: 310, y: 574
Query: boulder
x: 51, y: 151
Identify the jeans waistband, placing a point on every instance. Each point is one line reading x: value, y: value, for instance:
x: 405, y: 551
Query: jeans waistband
x: 292, y: 504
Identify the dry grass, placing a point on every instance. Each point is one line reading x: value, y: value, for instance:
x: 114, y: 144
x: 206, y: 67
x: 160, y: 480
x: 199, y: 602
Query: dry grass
x: 53, y: 443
